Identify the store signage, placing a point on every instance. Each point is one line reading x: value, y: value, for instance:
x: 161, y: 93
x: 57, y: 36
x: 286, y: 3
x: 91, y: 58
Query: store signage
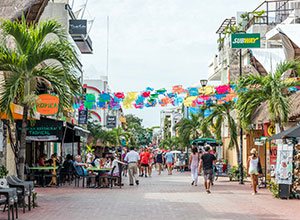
x: 47, y: 104
x: 111, y: 122
x: 284, y: 165
x: 78, y: 26
x: 245, y: 40
x: 271, y: 130
x: 82, y: 116
x: 44, y: 129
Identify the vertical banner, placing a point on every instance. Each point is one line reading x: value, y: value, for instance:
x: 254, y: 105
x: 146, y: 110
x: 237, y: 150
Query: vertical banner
x: 284, y: 165
x: 111, y: 122
x: 82, y: 116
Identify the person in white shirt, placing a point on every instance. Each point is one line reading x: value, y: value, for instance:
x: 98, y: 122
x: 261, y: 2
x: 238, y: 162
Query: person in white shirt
x: 132, y: 158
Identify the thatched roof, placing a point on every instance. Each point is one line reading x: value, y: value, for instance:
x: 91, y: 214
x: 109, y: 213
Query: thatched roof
x: 13, y: 9
x: 262, y: 114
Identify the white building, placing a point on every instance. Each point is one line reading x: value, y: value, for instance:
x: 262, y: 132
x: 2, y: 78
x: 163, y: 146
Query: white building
x: 168, y: 119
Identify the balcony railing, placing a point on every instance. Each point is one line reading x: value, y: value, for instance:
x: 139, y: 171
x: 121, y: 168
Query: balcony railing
x: 275, y: 12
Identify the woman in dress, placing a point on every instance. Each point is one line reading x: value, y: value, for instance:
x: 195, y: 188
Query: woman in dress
x: 194, y: 163
x: 253, y: 161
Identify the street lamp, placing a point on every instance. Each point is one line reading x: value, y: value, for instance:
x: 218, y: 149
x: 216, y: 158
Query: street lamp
x: 203, y: 82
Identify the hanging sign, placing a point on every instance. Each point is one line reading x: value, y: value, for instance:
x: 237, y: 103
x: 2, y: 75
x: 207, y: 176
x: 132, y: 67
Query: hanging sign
x: 271, y: 130
x: 111, y: 121
x: 42, y: 130
x: 47, y: 104
x: 245, y: 40
x: 82, y: 116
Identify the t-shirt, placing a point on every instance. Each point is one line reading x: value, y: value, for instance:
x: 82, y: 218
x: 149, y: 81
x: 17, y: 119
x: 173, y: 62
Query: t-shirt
x: 169, y: 157
x: 207, y: 161
x: 159, y: 158
x: 145, y: 157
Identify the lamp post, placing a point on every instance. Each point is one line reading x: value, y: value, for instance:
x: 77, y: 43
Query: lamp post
x: 203, y: 82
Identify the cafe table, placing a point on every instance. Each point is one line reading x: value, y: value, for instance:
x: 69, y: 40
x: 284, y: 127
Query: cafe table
x: 43, y: 169
x: 99, y: 169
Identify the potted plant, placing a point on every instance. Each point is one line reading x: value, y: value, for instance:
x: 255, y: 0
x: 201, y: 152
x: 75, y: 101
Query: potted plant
x: 3, y: 174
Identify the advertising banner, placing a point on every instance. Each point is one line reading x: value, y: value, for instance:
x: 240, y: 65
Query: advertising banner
x: 284, y: 165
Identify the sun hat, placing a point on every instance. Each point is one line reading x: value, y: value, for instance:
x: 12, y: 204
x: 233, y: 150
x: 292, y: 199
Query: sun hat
x: 253, y: 151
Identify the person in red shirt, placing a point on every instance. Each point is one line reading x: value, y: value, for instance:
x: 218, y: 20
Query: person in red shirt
x: 145, y: 156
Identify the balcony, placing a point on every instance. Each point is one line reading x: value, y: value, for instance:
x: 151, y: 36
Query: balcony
x: 270, y: 13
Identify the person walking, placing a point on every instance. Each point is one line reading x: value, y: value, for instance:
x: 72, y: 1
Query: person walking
x: 159, y: 161
x: 254, y: 169
x: 144, y: 156
x: 194, y: 164
x: 132, y: 158
x: 207, y: 160
x: 169, y: 161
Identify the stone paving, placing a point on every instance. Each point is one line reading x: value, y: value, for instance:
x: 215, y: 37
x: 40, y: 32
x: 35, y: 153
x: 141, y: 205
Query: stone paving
x: 161, y: 197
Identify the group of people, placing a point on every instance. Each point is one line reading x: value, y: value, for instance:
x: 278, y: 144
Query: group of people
x: 202, y: 160
x: 144, y: 161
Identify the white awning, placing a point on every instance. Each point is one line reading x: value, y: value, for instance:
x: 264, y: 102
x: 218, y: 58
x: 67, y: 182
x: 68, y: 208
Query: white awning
x: 269, y: 57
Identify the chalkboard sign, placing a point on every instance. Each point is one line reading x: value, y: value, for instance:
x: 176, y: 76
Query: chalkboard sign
x: 82, y: 116
x: 111, y: 122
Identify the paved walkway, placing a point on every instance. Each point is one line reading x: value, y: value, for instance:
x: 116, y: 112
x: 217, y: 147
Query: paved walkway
x: 161, y: 198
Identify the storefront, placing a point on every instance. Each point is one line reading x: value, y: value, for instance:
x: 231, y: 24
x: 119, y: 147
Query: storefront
x: 50, y: 136
x: 284, y: 162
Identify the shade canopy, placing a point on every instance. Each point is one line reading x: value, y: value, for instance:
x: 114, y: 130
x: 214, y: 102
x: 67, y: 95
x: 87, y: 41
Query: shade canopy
x: 293, y: 132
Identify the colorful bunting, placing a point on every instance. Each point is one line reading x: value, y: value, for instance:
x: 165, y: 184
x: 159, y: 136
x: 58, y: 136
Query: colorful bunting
x: 191, y: 97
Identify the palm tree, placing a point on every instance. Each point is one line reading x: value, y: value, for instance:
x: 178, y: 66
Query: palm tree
x: 222, y: 114
x: 253, y: 90
x: 118, y: 133
x: 32, y: 56
x: 191, y: 128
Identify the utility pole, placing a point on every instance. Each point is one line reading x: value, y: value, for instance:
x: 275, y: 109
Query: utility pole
x: 241, y: 135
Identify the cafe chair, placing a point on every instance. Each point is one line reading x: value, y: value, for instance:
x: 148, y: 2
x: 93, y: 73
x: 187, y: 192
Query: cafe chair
x: 8, y: 198
x: 30, y: 187
x: 22, y: 190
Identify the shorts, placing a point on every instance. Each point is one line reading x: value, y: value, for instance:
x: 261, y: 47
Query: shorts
x: 145, y: 165
x: 208, y: 174
x: 169, y: 164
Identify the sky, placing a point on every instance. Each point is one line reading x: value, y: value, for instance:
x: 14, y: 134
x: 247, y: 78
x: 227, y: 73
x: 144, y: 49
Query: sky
x: 156, y: 43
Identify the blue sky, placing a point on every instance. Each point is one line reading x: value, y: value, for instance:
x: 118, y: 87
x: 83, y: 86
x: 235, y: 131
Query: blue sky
x: 156, y: 43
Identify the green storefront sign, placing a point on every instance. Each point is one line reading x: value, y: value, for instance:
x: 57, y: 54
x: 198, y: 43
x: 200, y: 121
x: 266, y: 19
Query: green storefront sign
x: 245, y: 41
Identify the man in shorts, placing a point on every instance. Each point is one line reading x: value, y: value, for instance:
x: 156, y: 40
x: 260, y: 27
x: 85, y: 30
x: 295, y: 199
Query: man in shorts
x: 207, y: 161
x: 169, y: 161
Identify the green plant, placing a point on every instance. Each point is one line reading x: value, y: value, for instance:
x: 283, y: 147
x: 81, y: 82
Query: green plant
x: 3, y: 171
x: 31, y: 61
x: 274, y: 188
x: 234, y: 173
x: 34, y: 200
x: 253, y: 90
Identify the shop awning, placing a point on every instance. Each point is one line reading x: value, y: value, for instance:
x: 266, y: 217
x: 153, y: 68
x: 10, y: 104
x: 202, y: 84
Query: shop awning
x: 79, y: 131
x: 293, y: 132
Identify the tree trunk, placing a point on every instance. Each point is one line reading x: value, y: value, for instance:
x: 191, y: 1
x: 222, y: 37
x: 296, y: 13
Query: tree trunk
x: 22, y: 152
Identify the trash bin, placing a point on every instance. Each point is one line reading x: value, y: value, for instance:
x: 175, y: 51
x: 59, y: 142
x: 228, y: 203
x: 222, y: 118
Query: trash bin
x: 284, y: 191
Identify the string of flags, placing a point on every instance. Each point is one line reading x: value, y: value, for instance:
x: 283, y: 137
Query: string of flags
x: 177, y: 96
